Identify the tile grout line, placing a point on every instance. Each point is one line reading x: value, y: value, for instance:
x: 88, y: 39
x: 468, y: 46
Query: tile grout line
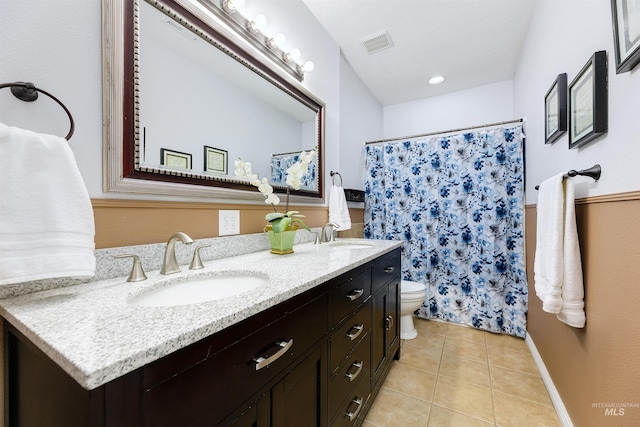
x: 493, y: 401
x: 450, y: 332
x: 435, y: 385
x: 471, y: 383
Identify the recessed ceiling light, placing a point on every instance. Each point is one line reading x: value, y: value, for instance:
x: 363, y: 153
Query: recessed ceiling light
x: 436, y: 80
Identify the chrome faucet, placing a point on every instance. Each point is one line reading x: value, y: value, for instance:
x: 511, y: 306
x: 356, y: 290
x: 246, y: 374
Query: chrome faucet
x: 323, y: 235
x: 170, y: 263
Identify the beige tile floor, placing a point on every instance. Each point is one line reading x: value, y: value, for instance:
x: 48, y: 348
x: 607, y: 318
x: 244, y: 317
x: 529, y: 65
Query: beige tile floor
x: 452, y: 375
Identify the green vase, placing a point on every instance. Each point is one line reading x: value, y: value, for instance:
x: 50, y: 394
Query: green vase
x: 281, y: 243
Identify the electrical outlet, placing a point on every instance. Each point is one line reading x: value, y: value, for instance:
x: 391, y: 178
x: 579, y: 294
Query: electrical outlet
x: 229, y: 222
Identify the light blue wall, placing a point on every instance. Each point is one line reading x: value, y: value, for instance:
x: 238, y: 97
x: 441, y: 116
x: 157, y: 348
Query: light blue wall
x: 562, y: 37
x: 473, y: 107
x: 360, y: 121
x: 57, y: 46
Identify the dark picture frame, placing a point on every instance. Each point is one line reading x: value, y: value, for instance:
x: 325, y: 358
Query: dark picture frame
x: 172, y: 159
x: 588, y: 105
x: 555, y: 109
x: 216, y: 160
x: 626, y: 34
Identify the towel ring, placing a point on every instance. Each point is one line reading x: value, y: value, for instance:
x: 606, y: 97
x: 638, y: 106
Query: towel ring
x: 28, y: 92
x: 333, y: 178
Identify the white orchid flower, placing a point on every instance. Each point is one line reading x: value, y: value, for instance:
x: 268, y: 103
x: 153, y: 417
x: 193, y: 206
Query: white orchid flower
x: 239, y: 168
x: 264, y: 187
x: 243, y: 170
x: 295, y: 173
x: 272, y: 199
x: 307, y: 157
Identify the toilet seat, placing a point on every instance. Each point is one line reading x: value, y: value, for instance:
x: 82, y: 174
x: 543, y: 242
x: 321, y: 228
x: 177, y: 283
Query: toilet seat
x: 408, y: 287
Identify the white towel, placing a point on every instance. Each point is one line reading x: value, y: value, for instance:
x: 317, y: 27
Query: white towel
x: 338, y: 209
x: 557, y: 266
x: 46, y: 219
x: 572, y: 312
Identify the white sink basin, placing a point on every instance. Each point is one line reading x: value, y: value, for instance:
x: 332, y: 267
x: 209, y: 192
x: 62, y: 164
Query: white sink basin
x: 185, y: 290
x: 351, y: 245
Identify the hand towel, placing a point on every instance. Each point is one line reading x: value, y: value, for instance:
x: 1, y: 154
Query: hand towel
x: 557, y: 265
x: 547, y: 266
x: 572, y: 312
x: 338, y: 209
x: 46, y: 219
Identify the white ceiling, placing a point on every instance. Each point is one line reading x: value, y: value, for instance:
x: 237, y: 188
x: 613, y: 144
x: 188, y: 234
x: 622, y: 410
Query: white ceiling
x: 471, y: 42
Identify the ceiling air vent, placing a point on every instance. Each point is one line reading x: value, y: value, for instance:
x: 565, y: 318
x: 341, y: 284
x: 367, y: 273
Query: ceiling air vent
x: 377, y: 42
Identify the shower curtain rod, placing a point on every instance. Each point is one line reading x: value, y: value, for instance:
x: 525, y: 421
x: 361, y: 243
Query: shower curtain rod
x: 445, y: 131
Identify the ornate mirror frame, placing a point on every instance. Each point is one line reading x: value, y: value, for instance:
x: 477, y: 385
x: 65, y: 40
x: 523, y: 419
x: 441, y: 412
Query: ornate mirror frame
x: 122, y: 171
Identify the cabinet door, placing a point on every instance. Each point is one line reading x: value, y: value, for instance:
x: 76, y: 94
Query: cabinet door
x: 299, y: 398
x: 256, y: 415
x: 386, y: 328
x: 378, y: 334
x: 392, y: 320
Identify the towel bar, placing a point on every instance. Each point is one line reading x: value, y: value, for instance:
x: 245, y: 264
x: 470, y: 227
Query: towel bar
x: 28, y: 92
x: 593, y: 172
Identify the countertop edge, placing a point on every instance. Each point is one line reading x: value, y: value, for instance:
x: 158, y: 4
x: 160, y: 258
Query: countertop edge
x: 96, y: 376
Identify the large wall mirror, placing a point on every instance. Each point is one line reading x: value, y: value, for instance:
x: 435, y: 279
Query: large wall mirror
x: 183, y: 100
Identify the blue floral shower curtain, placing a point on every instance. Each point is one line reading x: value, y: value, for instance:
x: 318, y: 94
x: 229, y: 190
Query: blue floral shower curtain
x: 456, y: 202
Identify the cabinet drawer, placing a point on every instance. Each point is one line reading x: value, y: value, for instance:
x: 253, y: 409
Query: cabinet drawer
x: 388, y: 267
x: 344, y: 340
x: 349, y: 412
x: 348, y: 295
x: 357, y: 365
x: 208, y: 391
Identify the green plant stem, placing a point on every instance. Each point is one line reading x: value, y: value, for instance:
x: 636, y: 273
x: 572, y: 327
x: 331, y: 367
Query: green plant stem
x: 287, y: 204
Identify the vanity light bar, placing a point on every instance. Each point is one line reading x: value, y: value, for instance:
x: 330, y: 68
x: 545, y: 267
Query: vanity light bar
x: 251, y: 31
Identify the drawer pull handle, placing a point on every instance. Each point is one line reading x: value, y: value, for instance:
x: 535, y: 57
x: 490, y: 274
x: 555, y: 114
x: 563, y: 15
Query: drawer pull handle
x: 388, y: 323
x: 262, y: 361
x: 356, y: 334
x: 389, y: 270
x: 358, y: 366
x: 355, y: 294
x: 352, y: 415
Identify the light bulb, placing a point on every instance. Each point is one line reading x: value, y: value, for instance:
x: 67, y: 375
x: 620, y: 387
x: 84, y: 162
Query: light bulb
x: 231, y: 6
x: 276, y: 41
x: 306, y: 67
x: 259, y: 23
x: 436, y: 80
x: 293, y: 55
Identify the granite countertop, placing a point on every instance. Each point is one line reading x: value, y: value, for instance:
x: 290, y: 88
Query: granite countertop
x: 96, y: 336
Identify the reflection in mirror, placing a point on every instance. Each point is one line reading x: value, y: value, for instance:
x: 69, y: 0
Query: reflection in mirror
x: 199, y: 102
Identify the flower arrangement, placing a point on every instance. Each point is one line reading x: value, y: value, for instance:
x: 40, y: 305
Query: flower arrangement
x: 279, y: 221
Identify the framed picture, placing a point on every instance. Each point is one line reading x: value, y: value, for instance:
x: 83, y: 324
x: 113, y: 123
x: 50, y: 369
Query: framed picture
x: 215, y: 160
x: 626, y: 33
x: 555, y: 110
x: 171, y: 159
x: 588, y: 109
x: 282, y: 161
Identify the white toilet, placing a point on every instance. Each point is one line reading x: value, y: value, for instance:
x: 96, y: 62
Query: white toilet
x: 412, y: 295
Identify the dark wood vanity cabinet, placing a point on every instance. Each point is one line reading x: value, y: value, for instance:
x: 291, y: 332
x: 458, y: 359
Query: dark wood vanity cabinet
x: 385, y: 334
x: 316, y: 359
x: 295, y: 400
